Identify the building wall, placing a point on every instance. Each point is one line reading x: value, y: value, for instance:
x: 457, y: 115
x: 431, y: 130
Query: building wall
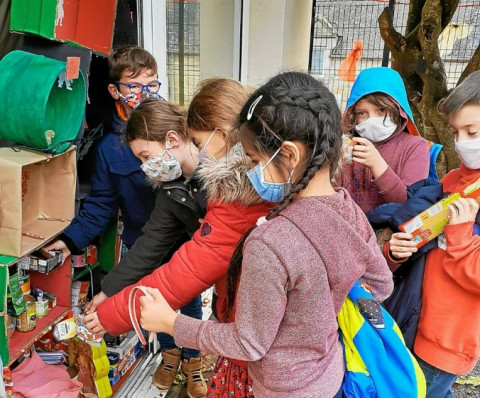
x: 297, y: 27
x: 217, y: 23
x: 276, y: 38
x: 279, y: 38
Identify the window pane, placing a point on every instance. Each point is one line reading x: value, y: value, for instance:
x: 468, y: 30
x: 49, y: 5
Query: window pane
x: 318, y: 57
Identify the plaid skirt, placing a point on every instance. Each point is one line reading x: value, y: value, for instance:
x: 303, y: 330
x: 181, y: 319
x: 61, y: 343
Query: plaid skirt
x: 229, y: 379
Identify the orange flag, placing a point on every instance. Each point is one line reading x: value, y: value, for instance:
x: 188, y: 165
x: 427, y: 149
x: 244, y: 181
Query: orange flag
x: 348, y: 67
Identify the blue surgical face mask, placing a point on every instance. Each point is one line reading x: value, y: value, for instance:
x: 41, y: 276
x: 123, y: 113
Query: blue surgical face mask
x: 269, y: 191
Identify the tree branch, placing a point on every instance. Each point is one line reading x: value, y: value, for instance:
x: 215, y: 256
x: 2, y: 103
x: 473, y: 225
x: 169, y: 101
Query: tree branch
x: 473, y: 65
x: 414, y: 15
x: 448, y: 9
x: 433, y: 70
x: 393, y: 39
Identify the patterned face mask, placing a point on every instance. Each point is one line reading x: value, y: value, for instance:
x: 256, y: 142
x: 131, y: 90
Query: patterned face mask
x: 133, y: 100
x: 161, y: 168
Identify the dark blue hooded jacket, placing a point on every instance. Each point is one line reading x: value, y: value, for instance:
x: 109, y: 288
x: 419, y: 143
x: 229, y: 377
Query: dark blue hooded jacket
x: 405, y: 302
x: 117, y: 182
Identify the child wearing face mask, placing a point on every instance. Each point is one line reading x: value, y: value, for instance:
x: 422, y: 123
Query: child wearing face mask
x: 448, y: 337
x: 117, y: 181
x: 290, y: 275
x: 169, y: 160
x: 233, y: 207
x: 388, y: 153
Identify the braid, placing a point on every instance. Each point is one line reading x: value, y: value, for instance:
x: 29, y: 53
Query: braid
x: 294, y: 107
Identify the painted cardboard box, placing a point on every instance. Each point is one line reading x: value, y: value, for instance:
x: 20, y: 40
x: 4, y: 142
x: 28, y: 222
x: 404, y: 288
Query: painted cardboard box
x: 88, y: 23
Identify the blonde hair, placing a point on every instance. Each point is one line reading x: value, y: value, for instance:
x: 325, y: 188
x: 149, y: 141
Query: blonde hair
x: 216, y: 105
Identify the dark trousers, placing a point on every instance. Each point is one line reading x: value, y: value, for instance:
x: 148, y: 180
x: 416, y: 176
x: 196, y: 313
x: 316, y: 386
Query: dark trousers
x: 439, y: 383
x: 194, y: 310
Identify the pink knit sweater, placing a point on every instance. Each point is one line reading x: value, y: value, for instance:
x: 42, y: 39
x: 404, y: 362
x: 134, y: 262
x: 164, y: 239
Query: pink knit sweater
x: 287, y: 305
x: 408, y: 159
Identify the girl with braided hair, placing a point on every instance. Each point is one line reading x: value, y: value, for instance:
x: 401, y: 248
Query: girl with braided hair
x: 289, y: 277
x: 218, y: 192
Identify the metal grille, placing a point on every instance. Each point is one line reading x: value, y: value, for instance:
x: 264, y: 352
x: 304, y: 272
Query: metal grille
x: 338, y: 23
x: 183, y: 49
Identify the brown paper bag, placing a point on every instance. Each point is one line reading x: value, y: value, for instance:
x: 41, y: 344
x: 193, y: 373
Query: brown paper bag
x: 37, y: 198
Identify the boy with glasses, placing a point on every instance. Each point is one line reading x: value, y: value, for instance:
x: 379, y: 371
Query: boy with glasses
x: 119, y: 183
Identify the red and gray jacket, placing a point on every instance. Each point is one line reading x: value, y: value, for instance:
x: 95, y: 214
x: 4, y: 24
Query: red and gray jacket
x: 233, y: 207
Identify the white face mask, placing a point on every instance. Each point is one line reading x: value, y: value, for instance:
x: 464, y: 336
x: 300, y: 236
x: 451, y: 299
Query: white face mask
x: 469, y: 152
x: 376, y: 129
x: 203, y: 155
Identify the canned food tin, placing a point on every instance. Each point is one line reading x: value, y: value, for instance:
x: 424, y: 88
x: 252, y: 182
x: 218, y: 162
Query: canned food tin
x: 24, y: 281
x: 27, y: 320
x: 41, y: 308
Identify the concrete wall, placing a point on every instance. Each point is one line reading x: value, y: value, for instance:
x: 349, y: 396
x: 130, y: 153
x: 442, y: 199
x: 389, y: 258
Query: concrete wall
x: 276, y: 38
x: 216, y: 38
x: 297, y: 26
x: 279, y: 38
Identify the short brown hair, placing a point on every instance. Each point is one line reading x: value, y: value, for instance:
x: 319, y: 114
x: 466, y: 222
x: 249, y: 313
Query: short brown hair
x: 466, y: 93
x: 153, y: 119
x: 377, y: 99
x: 216, y: 104
x: 130, y: 58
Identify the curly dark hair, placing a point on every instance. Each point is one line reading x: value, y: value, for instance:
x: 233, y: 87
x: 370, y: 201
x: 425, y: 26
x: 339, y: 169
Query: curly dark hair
x: 379, y: 99
x: 294, y: 106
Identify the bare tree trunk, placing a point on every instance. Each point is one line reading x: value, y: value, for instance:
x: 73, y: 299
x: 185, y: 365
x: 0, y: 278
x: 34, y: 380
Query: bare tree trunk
x: 417, y: 58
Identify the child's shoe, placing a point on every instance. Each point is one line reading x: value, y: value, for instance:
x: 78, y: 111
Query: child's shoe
x: 167, y: 370
x: 196, y: 386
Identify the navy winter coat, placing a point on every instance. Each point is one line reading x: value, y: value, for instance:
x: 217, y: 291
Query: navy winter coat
x: 117, y: 182
x: 405, y: 302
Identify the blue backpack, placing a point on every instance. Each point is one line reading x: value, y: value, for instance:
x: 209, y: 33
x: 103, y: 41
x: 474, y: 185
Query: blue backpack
x: 377, y: 362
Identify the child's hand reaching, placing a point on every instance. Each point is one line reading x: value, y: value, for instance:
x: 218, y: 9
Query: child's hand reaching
x: 401, y: 245
x: 156, y: 315
x: 365, y: 152
x: 93, y: 324
x: 463, y: 210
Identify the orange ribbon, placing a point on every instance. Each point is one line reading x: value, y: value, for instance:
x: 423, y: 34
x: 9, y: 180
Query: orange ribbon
x: 348, y: 67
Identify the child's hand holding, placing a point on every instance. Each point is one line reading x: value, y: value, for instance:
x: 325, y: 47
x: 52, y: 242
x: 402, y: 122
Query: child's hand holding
x: 93, y: 324
x: 365, y: 152
x: 463, y: 210
x: 156, y: 315
x: 401, y: 245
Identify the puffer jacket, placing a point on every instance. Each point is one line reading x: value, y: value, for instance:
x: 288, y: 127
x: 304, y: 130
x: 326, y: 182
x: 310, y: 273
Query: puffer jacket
x: 405, y: 303
x: 179, y: 206
x: 233, y: 207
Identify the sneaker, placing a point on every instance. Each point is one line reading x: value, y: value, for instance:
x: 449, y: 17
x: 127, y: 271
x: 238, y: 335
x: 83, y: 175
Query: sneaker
x: 196, y: 386
x: 165, y: 373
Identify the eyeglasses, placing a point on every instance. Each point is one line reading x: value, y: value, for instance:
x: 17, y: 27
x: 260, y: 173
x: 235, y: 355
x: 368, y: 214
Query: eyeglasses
x: 138, y: 88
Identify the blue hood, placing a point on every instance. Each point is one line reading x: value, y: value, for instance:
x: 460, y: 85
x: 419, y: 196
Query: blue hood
x: 384, y: 80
